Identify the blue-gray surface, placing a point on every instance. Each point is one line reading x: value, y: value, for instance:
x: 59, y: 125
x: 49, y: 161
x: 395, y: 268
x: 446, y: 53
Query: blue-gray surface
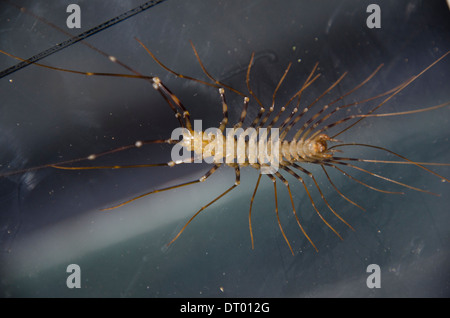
x: 51, y: 218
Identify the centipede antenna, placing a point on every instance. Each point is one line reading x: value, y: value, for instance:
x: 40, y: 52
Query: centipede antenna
x: 398, y: 162
x: 408, y: 112
x: 338, y: 191
x: 359, y: 181
x: 385, y: 178
x: 408, y: 161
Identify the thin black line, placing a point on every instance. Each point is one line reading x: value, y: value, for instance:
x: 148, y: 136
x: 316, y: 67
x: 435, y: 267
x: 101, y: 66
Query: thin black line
x: 80, y: 37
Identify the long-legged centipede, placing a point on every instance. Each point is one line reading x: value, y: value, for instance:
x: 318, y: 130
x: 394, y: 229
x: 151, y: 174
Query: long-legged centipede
x: 308, y: 145
x: 352, y: 174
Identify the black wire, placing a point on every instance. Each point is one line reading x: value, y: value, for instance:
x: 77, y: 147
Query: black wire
x: 80, y: 37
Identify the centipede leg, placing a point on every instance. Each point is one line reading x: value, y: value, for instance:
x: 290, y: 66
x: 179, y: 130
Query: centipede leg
x: 312, y: 201
x: 322, y: 195
x: 250, y: 211
x: 236, y: 183
x: 274, y: 180
x: 201, y: 179
x: 338, y: 191
x: 286, y: 183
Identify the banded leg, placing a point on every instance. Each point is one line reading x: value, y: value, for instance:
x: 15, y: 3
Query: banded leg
x: 286, y: 183
x: 311, y: 199
x: 151, y: 79
x: 59, y: 165
x: 359, y: 181
x: 337, y: 190
x: 309, y: 174
x: 172, y: 71
x: 272, y: 106
x: 210, y: 76
x: 217, y: 84
x: 306, y: 109
x: 159, y: 86
x: 247, y: 81
x: 407, y: 161
x: 250, y: 211
x: 236, y: 183
x: 319, y: 112
x: 201, y: 179
x: 385, y: 178
x: 396, y: 91
x: 297, y: 95
x: 243, y: 113
x: 224, y: 121
x: 274, y: 180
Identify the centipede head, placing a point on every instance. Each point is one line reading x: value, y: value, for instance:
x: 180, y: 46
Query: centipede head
x: 317, y: 147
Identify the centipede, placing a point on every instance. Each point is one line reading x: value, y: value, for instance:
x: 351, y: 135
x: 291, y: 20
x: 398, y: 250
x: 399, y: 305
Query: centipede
x: 318, y: 154
x: 310, y: 143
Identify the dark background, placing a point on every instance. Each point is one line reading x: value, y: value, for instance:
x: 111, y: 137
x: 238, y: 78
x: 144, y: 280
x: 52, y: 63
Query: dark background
x: 51, y: 218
